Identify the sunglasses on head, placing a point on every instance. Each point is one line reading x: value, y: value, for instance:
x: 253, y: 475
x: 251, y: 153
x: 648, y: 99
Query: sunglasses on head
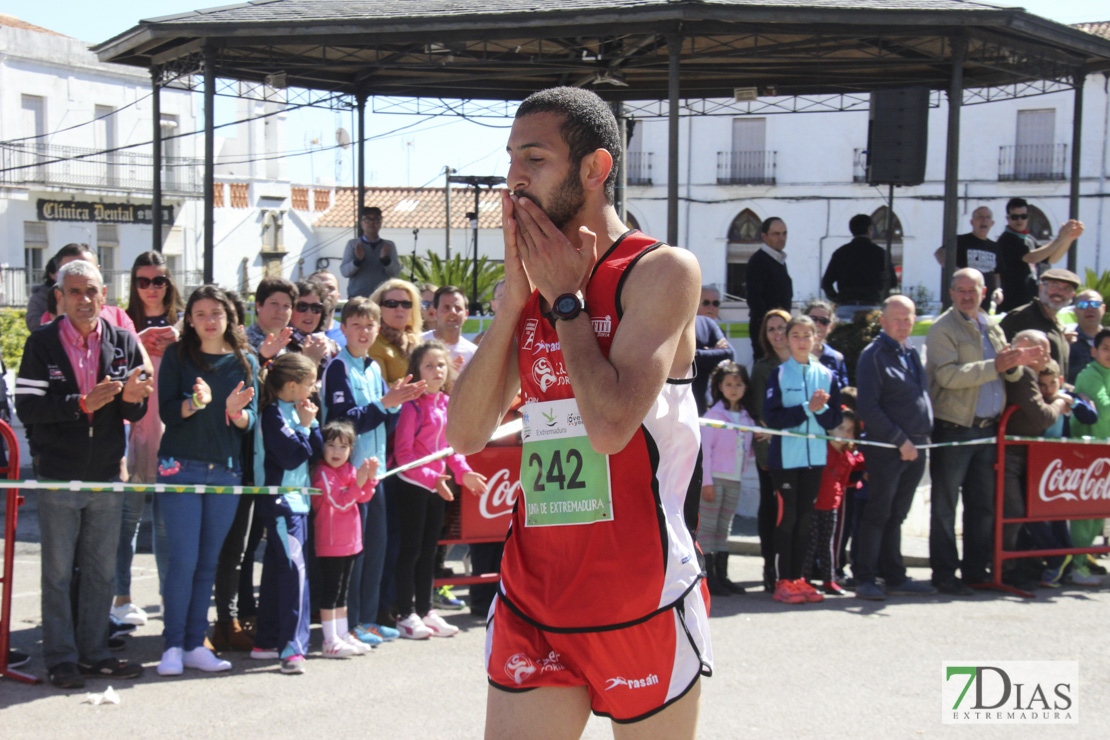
x: 158, y: 282
x: 716, y: 304
x: 390, y: 303
x: 1088, y: 304
x: 1019, y: 216
x: 822, y: 320
x: 305, y: 307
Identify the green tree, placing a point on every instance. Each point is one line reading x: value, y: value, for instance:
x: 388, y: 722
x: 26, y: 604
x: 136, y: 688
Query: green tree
x: 13, y: 335
x: 457, y: 271
x: 1102, y: 285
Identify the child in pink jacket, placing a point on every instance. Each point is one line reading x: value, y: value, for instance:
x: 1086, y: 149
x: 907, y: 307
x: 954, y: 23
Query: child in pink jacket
x: 339, y: 531
x: 422, y: 492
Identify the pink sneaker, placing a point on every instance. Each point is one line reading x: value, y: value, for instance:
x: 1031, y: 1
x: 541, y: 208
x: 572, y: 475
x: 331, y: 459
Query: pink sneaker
x: 413, y: 628
x: 438, y: 626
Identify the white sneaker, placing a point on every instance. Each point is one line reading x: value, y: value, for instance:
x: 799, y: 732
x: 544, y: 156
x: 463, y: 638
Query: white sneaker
x: 171, y: 662
x: 130, y: 613
x: 438, y: 626
x: 356, y: 643
x: 412, y: 628
x: 339, y: 649
x: 204, y: 659
x: 1085, y: 578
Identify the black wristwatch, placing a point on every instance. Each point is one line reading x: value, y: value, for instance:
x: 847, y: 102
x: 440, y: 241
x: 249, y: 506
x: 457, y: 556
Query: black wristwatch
x: 567, y: 306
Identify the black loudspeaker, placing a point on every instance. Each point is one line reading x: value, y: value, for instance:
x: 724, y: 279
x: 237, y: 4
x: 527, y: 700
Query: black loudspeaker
x: 897, y: 136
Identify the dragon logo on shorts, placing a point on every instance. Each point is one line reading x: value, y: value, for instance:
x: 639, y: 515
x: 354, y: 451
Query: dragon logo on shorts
x: 544, y: 374
x: 520, y: 668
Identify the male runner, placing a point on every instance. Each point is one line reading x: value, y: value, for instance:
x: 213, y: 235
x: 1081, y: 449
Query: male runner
x: 600, y: 605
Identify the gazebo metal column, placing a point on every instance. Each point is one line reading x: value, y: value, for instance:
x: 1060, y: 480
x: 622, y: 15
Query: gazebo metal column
x: 1076, y: 144
x: 952, y: 164
x: 674, y: 49
x: 360, y: 99
x: 156, y: 174
x: 209, y: 161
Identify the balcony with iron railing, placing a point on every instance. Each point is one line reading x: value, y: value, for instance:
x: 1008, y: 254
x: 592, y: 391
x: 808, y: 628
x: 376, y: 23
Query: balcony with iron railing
x: 746, y: 167
x: 639, y: 168
x: 1026, y: 162
x: 859, y: 165
x: 33, y: 163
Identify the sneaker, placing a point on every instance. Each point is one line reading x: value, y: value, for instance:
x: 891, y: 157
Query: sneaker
x: 811, y: 594
x: 357, y: 644
x: 1093, y: 567
x: 442, y: 598
x: 18, y: 658
x: 366, y: 635
x: 385, y: 632
x: 1081, y: 576
x: 265, y: 653
x: 203, y: 659
x: 910, y: 587
x: 439, y: 626
x: 413, y: 628
x: 115, y: 644
x: 787, y: 593
x: 171, y: 662
x: 1052, y: 576
x: 111, y: 668
x: 129, y: 613
x: 293, y: 665
x: 832, y: 588
x: 338, y: 648
x: 67, y: 676
x: 120, y: 629
x: 870, y: 591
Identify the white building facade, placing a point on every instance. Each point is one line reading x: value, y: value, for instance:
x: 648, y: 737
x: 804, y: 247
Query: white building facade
x: 809, y: 169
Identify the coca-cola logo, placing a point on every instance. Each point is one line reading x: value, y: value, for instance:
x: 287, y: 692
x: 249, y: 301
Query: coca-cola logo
x: 1075, y: 484
x: 500, y: 495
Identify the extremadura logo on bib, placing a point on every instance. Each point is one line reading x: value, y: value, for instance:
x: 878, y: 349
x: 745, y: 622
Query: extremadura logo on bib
x: 564, y: 480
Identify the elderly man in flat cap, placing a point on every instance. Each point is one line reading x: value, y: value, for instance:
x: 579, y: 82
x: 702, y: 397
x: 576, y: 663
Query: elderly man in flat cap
x: 1056, y: 291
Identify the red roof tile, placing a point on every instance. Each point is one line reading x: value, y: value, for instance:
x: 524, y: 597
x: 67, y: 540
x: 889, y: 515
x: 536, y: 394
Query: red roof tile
x: 415, y: 208
x: 1100, y: 28
x: 13, y: 22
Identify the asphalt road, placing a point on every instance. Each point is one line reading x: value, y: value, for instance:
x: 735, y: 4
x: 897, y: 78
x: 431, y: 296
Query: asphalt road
x: 842, y: 668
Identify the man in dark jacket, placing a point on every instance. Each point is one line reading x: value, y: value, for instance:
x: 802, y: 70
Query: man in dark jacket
x: 80, y: 378
x: 860, y: 272
x: 894, y: 407
x: 712, y: 347
x: 767, y: 279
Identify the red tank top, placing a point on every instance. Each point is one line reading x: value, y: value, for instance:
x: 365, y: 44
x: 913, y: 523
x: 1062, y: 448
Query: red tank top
x: 634, y: 557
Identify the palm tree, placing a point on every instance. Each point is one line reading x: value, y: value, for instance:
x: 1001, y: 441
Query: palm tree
x: 456, y: 271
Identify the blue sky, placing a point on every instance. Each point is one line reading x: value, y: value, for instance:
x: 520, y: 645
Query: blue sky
x: 415, y: 156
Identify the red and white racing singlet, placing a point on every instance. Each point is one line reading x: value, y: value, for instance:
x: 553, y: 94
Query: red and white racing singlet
x: 597, y: 541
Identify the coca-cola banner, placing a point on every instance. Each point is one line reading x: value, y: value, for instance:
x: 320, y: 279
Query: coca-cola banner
x: 487, y: 517
x: 1069, y: 480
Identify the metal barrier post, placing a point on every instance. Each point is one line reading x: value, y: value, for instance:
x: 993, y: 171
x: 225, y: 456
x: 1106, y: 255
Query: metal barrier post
x: 11, y: 515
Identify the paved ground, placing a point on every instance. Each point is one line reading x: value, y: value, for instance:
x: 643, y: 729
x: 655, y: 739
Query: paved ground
x: 842, y: 668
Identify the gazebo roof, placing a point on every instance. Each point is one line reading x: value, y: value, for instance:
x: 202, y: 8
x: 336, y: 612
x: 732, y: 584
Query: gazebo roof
x: 506, y: 49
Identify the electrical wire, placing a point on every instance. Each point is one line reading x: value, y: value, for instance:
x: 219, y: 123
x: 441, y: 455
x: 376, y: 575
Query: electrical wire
x: 79, y: 125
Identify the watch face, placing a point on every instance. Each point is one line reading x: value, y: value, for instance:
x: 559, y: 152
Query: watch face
x: 565, y: 305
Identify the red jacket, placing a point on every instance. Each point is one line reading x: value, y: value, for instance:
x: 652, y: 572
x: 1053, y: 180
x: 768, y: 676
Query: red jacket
x: 839, y: 466
x: 338, y: 524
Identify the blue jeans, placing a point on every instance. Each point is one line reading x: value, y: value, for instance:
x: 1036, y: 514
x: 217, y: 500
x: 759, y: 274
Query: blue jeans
x: 133, y: 504
x: 79, y: 528
x: 970, y: 470
x: 366, y: 572
x: 196, y: 525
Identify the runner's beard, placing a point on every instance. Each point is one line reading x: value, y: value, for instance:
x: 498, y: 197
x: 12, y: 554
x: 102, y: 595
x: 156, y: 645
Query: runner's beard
x: 566, y: 201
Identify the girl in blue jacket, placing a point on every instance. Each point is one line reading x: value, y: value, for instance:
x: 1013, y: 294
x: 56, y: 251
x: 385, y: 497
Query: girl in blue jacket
x: 802, y: 397
x: 288, y: 439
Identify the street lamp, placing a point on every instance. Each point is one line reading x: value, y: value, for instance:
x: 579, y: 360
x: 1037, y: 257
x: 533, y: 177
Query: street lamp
x: 475, y: 182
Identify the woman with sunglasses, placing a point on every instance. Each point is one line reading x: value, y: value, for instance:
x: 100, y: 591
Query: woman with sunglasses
x: 401, y: 327
x: 153, y: 305
x: 823, y: 314
x: 312, y: 305
x: 776, y: 350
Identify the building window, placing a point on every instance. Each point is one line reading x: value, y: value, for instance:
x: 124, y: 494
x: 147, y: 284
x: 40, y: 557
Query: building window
x: 107, y: 251
x: 748, y: 162
x: 1039, y: 226
x: 35, y: 248
x: 743, y: 241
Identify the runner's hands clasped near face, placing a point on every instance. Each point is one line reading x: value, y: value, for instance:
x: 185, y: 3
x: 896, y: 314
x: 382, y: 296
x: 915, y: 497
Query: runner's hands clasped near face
x: 555, y: 264
x: 518, y: 288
